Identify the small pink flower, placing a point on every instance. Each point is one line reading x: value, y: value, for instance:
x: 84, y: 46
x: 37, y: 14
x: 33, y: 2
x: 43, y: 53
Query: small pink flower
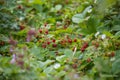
x: 20, y: 63
x: 13, y: 59
x: 12, y: 42
x: 31, y: 32
x: 11, y: 49
x: 28, y: 38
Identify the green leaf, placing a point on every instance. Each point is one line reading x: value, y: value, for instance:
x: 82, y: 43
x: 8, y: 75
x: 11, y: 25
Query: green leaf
x: 108, y: 76
x: 58, y: 7
x: 116, y: 67
x: 61, y: 58
x: 86, y: 78
x: 102, y: 5
x: 49, y: 70
x: 46, y: 63
x: 117, y: 34
x: 35, y: 1
x: 35, y: 50
x: 4, y: 38
x: 116, y: 28
x: 107, y: 33
x: 117, y: 54
x: 60, y: 74
x: 68, y: 53
x: 102, y: 67
x: 22, y: 33
x: 38, y: 52
x: 91, y: 25
x: 78, y: 18
x: 87, y: 10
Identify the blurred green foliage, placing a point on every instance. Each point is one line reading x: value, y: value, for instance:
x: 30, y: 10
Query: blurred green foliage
x: 59, y: 40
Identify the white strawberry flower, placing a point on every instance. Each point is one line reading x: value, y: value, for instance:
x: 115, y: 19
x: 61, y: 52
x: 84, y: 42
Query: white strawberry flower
x: 103, y: 36
x: 97, y: 34
x: 57, y: 65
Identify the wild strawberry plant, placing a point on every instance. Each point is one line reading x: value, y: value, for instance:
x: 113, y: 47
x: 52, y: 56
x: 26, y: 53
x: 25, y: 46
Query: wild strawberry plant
x: 59, y: 40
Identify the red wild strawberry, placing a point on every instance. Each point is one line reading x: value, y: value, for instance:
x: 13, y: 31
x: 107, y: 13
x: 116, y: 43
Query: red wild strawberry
x: 20, y: 7
x: 2, y: 43
x: 69, y: 41
x: 44, y: 45
x: 82, y: 49
x: 97, y: 45
x: 75, y: 40
x: 54, y: 45
x: 89, y: 60
x: 112, y: 54
x: 45, y: 24
x: 40, y: 30
x: 22, y: 27
x: 46, y: 32
x: 48, y: 42
x: 85, y: 45
x: 53, y: 40
x: 74, y: 66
